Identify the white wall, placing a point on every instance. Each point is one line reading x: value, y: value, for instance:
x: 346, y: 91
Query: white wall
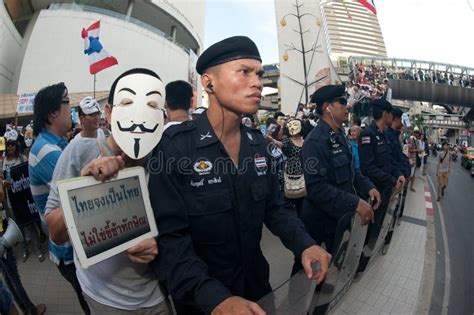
x: 189, y: 13
x: 54, y: 52
x: 10, y: 45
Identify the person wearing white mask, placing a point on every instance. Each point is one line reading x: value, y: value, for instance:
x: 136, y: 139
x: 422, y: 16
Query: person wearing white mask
x: 89, y: 115
x: 124, y: 283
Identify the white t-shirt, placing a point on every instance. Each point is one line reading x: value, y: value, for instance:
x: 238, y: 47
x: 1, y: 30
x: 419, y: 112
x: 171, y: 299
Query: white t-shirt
x: 100, y: 135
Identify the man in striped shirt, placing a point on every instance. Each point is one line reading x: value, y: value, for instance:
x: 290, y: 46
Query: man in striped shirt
x: 51, y: 122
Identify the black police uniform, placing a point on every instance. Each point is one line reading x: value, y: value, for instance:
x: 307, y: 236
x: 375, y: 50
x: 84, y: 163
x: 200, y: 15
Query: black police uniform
x: 375, y: 158
x: 210, y: 216
x: 400, y: 160
x: 333, y: 183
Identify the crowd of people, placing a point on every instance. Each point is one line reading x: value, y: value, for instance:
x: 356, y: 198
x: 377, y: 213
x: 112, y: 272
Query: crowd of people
x: 298, y: 174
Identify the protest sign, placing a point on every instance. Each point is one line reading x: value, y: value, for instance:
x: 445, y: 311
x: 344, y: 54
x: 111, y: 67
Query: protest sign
x: 19, y: 193
x: 104, y: 219
x: 25, y: 103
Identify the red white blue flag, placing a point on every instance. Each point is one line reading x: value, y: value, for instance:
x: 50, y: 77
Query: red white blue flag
x: 369, y: 4
x: 99, y: 58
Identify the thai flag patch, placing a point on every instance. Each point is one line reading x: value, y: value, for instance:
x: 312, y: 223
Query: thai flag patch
x: 261, y: 162
x: 365, y: 140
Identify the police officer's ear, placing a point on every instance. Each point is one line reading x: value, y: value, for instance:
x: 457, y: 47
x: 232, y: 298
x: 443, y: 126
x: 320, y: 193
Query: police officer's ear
x: 206, y: 81
x: 325, y: 108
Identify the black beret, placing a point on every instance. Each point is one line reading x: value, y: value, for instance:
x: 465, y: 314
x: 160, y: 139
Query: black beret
x: 327, y: 93
x: 229, y: 49
x: 397, y: 112
x: 382, y: 105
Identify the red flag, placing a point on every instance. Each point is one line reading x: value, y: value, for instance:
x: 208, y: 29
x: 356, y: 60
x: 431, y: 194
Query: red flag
x: 369, y: 4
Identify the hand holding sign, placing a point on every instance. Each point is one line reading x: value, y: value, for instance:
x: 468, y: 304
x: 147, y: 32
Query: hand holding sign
x: 144, y: 252
x: 104, y: 168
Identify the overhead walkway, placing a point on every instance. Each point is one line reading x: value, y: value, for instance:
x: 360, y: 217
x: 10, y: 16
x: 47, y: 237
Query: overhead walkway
x: 425, y: 81
x: 445, y: 121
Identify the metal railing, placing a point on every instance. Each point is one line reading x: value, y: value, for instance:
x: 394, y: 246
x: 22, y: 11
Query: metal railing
x: 418, y: 70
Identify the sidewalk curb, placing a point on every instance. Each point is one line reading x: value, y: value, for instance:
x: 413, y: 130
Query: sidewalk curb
x: 429, y: 266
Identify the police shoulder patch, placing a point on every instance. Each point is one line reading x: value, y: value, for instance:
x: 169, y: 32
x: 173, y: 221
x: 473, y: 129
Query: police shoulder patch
x: 365, y: 140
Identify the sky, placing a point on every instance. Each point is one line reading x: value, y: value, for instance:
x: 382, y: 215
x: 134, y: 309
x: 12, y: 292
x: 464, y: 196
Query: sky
x: 431, y: 30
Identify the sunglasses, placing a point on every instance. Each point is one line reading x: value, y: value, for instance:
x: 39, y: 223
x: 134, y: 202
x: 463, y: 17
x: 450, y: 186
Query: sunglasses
x: 341, y: 100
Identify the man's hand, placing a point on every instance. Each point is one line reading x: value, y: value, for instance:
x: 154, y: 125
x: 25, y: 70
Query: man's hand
x: 315, y: 254
x: 235, y: 305
x: 400, y: 183
x: 375, y: 196
x: 365, y: 211
x: 104, y: 168
x: 144, y: 252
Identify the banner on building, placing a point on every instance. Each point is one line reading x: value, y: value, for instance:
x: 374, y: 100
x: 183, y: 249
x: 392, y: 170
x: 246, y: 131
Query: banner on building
x: 19, y: 194
x: 192, y: 74
x: 25, y: 103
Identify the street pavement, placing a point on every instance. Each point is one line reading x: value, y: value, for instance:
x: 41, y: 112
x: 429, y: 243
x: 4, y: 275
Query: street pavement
x: 455, y: 286
x: 391, y: 285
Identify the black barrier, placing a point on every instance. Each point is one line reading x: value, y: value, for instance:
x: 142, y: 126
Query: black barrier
x: 378, y: 230
x: 298, y: 295
x: 19, y: 194
x: 395, y: 216
x: 402, y: 209
x: 349, y: 241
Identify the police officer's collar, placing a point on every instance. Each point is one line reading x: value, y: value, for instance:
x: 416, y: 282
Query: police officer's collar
x: 374, y: 125
x: 205, y: 133
x: 326, y: 127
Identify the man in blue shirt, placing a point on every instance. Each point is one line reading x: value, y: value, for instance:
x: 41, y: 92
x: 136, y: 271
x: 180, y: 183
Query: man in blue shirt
x: 51, y: 122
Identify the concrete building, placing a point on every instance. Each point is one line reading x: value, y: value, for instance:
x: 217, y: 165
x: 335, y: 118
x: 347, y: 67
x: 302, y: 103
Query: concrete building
x: 351, y: 30
x: 41, y: 44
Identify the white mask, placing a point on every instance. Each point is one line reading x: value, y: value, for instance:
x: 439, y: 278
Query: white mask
x: 28, y: 136
x: 137, y: 114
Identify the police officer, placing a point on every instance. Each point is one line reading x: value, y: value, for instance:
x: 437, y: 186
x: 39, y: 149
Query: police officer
x: 333, y: 184
x: 376, y: 161
x: 400, y: 160
x: 217, y: 190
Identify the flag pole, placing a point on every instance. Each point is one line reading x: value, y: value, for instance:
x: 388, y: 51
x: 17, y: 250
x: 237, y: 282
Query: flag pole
x: 94, y: 85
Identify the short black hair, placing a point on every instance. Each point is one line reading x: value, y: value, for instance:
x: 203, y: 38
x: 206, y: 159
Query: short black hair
x: 80, y: 112
x: 356, y: 121
x: 278, y: 114
x: 110, y: 100
x: 377, y: 112
x: 47, y: 101
x: 178, y: 95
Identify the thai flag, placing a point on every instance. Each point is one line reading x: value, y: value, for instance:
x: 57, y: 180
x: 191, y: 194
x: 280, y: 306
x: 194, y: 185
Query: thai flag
x: 369, y: 4
x: 99, y: 58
